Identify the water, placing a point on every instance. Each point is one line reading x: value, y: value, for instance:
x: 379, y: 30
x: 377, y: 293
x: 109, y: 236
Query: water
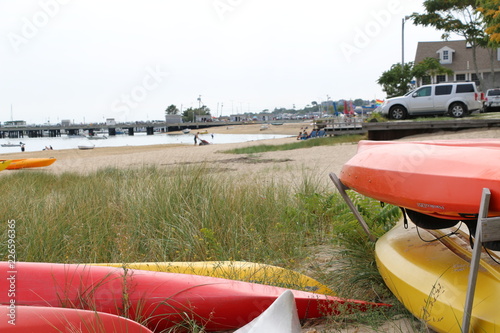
x: 138, y: 139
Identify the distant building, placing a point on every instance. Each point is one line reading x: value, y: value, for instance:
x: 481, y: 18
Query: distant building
x: 65, y: 122
x: 14, y: 123
x: 173, y: 118
x: 110, y: 121
x: 457, y: 56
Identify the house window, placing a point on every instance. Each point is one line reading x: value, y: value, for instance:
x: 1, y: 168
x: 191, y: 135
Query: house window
x: 426, y: 79
x: 474, y: 77
x: 460, y: 77
x: 445, y: 55
x: 440, y: 78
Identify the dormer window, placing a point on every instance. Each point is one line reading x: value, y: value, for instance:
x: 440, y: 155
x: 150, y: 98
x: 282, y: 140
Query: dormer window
x: 445, y: 55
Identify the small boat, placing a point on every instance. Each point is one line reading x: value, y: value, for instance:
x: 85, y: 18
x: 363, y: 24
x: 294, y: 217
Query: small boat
x: 29, y: 163
x: 264, y: 127
x: 280, y: 317
x: 186, y: 130
x: 203, y: 132
x: 277, y: 124
x: 10, y: 144
x: 97, y: 137
x: 159, y: 300
x: 430, y: 277
x: 29, y: 319
x: 235, y: 270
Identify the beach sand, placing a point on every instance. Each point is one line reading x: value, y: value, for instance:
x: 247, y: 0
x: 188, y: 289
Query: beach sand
x: 292, y: 165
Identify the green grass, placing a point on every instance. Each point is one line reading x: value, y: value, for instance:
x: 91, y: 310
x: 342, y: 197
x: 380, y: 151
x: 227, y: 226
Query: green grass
x: 193, y: 214
x: 325, y: 141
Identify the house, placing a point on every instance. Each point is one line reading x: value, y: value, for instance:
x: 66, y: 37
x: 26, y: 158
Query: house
x: 458, y: 56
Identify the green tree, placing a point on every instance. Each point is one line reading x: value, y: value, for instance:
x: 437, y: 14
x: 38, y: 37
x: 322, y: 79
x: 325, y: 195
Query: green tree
x: 190, y: 114
x: 396, y: 80
x: 172, y: 109
x: 431, y: 67
x: 459, y: 17
x: 358, y: 102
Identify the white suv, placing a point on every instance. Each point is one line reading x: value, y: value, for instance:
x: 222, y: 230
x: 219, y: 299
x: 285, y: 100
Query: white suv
x: 455, y: 99
x: 492, y: 99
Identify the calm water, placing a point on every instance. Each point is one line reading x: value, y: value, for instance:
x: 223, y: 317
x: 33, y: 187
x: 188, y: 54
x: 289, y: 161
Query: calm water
x: 139, y: 139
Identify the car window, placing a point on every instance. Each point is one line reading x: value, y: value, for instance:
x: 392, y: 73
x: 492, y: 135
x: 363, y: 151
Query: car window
x: 465, y: 88
x: 424, y: 91
x: 443, y: 90
x: 494, y: 92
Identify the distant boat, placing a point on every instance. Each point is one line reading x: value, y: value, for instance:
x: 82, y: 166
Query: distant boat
x: 10, y: 144
x: 186, y: 130
x: 97, y: 137
x: 86, y: 147
x: 276, y: 124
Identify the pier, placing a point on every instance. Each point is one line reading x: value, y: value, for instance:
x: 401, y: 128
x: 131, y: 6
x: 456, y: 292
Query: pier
x: 39, y: 131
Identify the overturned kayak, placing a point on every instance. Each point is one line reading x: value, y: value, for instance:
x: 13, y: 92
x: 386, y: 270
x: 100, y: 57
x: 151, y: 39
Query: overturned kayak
x: 443, y: 179
x: 156, y: 299
x: 30, y: 319
x: 235, y: 270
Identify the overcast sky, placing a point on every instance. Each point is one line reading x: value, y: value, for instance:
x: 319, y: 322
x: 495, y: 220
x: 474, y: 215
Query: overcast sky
x: 87, y: 60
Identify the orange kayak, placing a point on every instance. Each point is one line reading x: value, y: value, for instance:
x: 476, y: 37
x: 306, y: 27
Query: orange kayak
x: 443, y: 179
x: 29, y: 163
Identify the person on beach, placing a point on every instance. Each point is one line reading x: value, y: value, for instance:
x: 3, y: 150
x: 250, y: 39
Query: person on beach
x: 196, y: 138
x: 22, y: 147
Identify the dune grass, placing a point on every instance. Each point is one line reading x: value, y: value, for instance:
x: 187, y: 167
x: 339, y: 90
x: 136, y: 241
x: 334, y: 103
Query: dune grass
x: 192, y: 214
x: 324, y: 141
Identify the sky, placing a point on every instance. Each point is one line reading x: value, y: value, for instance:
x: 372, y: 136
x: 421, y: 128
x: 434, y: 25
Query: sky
x: 88, y: 60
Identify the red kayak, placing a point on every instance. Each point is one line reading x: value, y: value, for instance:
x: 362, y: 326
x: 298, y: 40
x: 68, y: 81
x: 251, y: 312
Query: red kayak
x: 443, y: 179
x: 35, y: 319
x: 158, y: 300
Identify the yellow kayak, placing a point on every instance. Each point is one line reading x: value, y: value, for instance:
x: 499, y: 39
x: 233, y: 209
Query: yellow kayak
x: 4, y: 164
x: 235, y: 270
x: 430, y: 279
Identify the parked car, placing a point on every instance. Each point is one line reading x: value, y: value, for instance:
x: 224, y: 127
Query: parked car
x: 454, y: 99
x: 492, y: 100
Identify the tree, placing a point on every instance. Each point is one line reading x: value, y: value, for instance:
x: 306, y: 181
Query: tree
x: 358, y: 102
x: 431, y: 67
x: 172, y: 109
x: 190, y: 113
x: 490, y: 9
x: 396, y: 81
x: 459, y: 17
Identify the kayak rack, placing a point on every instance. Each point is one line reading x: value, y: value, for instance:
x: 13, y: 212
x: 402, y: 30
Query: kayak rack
x: 342, y: 189
x: 488, y: 230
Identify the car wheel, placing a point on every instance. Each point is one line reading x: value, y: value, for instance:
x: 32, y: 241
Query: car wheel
x: 398, y: 112
x: 457, y: 110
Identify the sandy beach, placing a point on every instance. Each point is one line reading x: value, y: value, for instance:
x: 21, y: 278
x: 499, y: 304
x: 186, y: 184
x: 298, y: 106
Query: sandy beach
x: 293, y: 165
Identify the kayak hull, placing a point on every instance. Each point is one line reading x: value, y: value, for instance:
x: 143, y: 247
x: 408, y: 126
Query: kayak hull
x: 443, y: 179
x: 33, y: 319
x: 29, y: 163
x: 235, y: 270
x: 430, y: 278
x: 159, y: 300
